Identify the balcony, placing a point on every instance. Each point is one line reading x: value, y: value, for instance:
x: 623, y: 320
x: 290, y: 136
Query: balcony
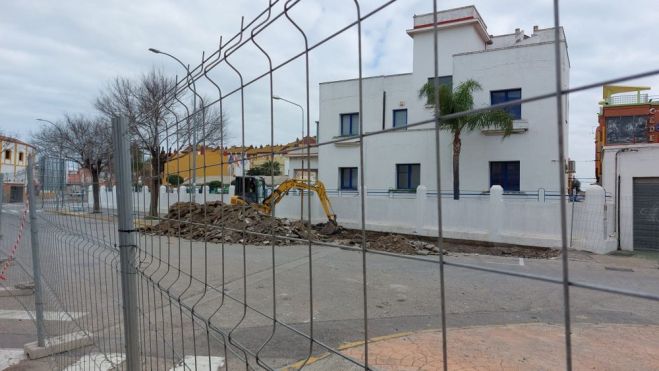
x: 618, y: 100
x: 519, y: 126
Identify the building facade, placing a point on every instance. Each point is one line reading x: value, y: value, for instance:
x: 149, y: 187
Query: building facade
x: 13, y: 167
x: 14, y: 159
x: 627, y: 154
x: 508, y: 67
x: 300, y: 163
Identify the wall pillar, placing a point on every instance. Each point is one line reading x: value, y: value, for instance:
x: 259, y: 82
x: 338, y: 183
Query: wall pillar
x: 495, y: 215
x: 421, y: 202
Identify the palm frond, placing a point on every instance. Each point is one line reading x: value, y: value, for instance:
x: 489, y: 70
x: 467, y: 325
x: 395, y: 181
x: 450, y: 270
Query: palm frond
x: 496, y: 118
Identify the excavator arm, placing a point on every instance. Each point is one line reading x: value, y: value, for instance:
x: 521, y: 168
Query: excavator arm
x: 287, y: 185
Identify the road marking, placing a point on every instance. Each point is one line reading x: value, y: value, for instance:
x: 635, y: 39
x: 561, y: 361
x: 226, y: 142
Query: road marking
x: 499, y: 263
x: 48, y: 316
x: 97, y: 362
x: 10, y: 357
x: 200, y: 362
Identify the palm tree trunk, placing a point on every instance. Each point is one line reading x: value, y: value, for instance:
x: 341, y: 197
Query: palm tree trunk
x: 457, y: 143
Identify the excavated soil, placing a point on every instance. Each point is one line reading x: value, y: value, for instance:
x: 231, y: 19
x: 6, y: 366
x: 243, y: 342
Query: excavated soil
x: 421, y: 245
x: 218, y: 222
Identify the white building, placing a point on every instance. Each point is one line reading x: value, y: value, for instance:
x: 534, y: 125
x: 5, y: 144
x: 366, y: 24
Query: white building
x: 508, y: 67
x: 631, y: 176
x: 299, y: 162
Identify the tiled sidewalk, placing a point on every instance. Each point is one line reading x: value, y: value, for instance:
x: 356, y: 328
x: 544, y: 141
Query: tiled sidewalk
x: 514, y: 347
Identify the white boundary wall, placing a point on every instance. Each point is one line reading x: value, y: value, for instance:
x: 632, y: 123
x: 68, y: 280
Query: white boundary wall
x: 492, y: 217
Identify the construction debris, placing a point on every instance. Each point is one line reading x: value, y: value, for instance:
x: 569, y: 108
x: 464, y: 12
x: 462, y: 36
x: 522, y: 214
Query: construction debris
x: 219, y: 222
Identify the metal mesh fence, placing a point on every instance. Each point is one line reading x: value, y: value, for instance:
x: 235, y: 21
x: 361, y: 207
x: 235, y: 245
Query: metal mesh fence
x: 174, y: 256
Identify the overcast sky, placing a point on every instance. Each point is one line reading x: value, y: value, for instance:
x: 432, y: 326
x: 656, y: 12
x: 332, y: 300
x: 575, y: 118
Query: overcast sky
x: 55, y: 56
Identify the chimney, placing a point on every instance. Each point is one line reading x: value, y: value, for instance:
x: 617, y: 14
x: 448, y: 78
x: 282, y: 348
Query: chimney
x: 519, y: 35
x: 535, y: 29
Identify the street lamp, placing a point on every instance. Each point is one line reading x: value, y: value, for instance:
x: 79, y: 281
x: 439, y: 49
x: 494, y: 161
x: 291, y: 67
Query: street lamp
x: 302, y: 139
x: 295, y: 104
x: 194, y: 129
x: 61, y: 171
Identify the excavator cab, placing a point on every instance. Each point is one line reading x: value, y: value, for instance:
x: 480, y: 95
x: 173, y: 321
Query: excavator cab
x: 254, y: 189
x: 254, y: 194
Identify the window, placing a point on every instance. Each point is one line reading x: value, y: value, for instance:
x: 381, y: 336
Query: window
x: 408, y: 176
x: 7, y: 154
x: 502, y: 96
x: 20, y: 156
x: 349, y: 124
x: 443, y: 80
x: 505, y: 174
x: 400, y: 118
x: 348, y: 177
x: 305, y: 174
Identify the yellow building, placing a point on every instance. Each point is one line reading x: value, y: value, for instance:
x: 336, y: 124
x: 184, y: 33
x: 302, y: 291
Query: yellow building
x: 211, y: 164
x: 217, y: 164
x: 13, y: 166
x: 14, y: 159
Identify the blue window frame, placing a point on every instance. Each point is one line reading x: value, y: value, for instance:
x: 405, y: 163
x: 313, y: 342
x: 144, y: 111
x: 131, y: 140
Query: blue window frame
x: 349, y: 124
x: 400, y: 118
x: 408, y: 176
x: 348, y: 178
x: 502, y: 96
x: 505, y: 174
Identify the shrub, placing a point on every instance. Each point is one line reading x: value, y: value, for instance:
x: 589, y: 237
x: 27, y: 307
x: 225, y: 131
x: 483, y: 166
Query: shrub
x: 175, y: 180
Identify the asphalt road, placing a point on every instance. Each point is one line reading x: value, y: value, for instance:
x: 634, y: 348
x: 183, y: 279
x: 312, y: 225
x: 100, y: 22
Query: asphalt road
x: 318, y: 290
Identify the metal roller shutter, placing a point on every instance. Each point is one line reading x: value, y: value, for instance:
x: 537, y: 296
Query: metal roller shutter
x: 646, y: 214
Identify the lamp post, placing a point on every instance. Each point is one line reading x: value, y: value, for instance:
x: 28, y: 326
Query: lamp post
x: 60, y: 170
x: 302, y: 139
x: 194, y: 123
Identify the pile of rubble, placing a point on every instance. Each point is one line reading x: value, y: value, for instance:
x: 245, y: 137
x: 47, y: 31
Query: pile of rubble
x: 220, y: 222
x: 395, y: 243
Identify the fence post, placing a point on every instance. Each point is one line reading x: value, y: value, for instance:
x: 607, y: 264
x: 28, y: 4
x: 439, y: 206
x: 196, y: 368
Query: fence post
x: 34, y: 241
x: 61, y: 184
x: 127, y: 245
x: 2, y: 195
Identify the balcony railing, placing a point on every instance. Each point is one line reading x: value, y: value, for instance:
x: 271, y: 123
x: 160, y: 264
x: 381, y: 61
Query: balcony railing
x: 628, y: 99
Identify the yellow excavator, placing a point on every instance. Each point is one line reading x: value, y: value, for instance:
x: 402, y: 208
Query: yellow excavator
x: 250, y: 190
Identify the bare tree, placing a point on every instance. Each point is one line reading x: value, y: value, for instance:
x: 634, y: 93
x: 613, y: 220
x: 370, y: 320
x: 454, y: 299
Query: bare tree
x: 159, y: 120
x: 82, y: 140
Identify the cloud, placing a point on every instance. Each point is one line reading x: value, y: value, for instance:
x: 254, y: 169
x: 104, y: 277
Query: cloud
x: 56, y: 56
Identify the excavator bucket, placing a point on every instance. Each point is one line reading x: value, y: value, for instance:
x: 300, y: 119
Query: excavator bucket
x: 329, y: 228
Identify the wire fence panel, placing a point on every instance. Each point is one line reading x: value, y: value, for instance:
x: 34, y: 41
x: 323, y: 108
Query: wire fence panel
x: 173, y: 244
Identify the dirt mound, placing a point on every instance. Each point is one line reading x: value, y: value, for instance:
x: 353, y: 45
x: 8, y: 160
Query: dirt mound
x: 217, y: 222
x: 390, y: 242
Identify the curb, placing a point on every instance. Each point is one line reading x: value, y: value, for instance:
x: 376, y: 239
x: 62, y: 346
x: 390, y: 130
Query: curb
x: 58, y: 344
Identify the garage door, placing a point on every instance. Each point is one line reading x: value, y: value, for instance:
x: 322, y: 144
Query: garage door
x: 646, y: 214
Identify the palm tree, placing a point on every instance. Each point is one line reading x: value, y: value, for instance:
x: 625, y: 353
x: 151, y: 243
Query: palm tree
x: 271, y: 167
x: 460, y: 100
